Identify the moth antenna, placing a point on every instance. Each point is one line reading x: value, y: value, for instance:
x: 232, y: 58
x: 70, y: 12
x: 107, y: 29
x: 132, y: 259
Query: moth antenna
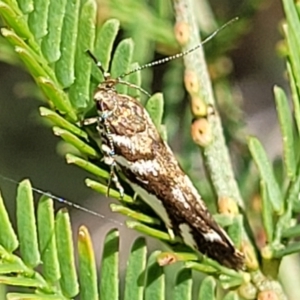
x: 105, y: 74
x: 181, y: 54
x: 131, y: 85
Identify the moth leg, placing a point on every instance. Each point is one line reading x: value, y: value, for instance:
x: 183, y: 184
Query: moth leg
x: 171, y: 233
x: 114, y: 178
x: 108, y: 156
x: 135, y: 196
x: 89, y: 121
x: 173, y: 227
x: 110, y: 161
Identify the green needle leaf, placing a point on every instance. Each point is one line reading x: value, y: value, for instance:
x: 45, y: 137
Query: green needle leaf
x: 134, y: 78
x: 109, y: 284
x: 64, y: 67
x: 155, y: 286
x: 292, y: 18
x: 38, y: 19
x: 105, y: 39
x: 19, y: 296
x: 26, y: 6
x: 121, y: 62
x: 31, y: 63
x: 47, y: 242
x: 62, y: 122
x: 26, y: 224
x: 286, y: 126
x: 51, y: 42
x: 75, y: 141
x: 231, y: 296
x: 295, y: 96
x: 207, y: 289
x: 183, y: 286
x: 292, y: 199
x: 289, y: 249
x: 102, y: 189
x: 8, y: 238
x: 15, y: 21
x: 80, y: 90
x: 86, y: 165
x: 87, y: 266
x: 267, y: 212
x: 235, y: 231
x: 133, y: 214
x: 57, y: 96
x: 155, y: 108
x: 20, y: 281
x: 266, y: 173
x: 148, y: 231
x: 14, y: 5
x: 201, y: 267
x: 291, y: 232
x: 135, y: 271
x: 65, y: 249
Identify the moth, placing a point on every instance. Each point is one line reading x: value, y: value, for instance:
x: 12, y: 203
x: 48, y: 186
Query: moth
x: 132, y: 144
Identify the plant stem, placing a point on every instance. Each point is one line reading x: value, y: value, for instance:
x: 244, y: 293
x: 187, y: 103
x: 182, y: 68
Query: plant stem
x: 199, y: 86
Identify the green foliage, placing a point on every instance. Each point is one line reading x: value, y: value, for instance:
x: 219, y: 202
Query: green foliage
x: 46, y: 240
x: 51, y: 39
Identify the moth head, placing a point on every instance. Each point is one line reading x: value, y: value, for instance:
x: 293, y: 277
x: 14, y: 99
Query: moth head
x: 105, y: 98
